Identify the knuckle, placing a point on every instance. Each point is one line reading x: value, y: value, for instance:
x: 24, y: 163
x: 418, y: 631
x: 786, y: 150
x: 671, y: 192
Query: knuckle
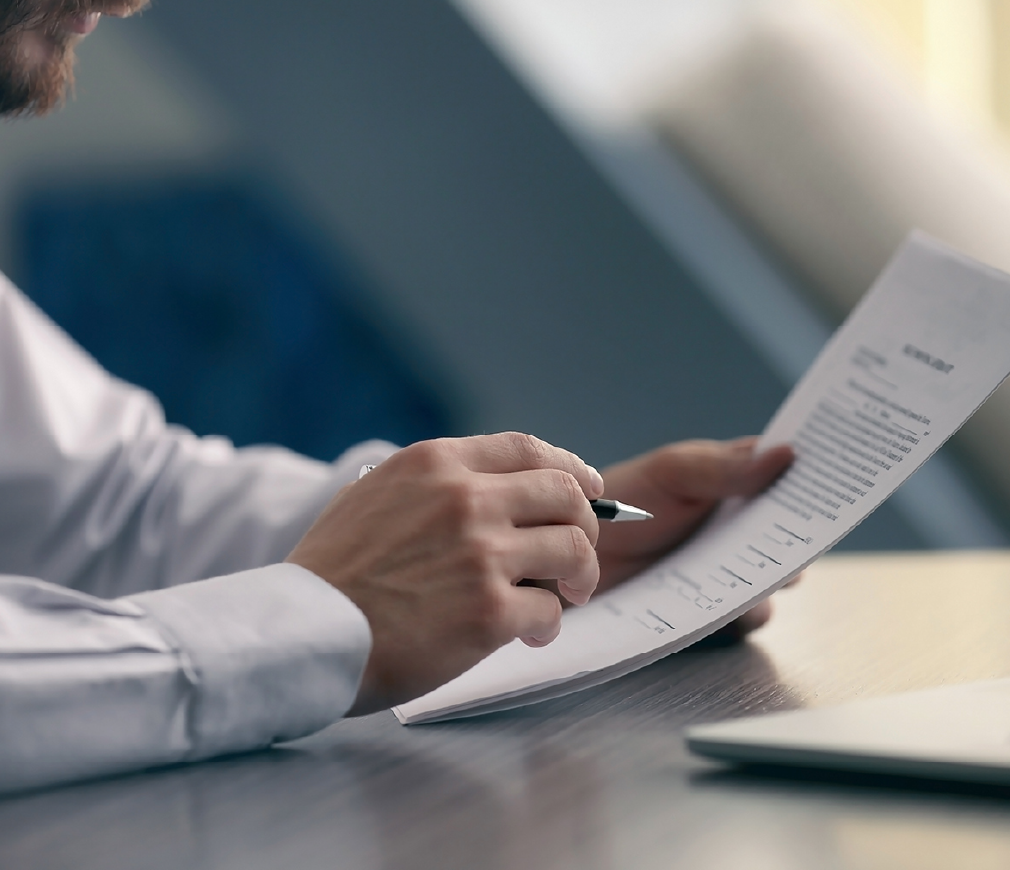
x: 571, y: 487
x: 700, y: 463
x: 689, y: 451
x: 424, y: 456
x: 581, y: 548
x: 482, y: 558
x: 532, y: 452
x: 555, y: 615
x: 567, y: 486
x: 463, y: 502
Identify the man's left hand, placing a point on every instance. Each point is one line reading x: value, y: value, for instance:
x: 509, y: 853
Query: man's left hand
x: 681, y: 484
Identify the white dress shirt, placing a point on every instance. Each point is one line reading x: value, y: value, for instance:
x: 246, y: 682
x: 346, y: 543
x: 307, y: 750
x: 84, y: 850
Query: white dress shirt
x: 116, y: 651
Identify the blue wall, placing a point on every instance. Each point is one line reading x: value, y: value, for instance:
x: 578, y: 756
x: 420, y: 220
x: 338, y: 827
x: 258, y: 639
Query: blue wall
x: 533, y: 290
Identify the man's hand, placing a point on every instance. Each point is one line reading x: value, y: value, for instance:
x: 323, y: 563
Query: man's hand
x: 432, y: 544
x: 681, y: 484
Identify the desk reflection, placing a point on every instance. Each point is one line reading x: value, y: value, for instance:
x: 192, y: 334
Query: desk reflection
x: 361, y: 806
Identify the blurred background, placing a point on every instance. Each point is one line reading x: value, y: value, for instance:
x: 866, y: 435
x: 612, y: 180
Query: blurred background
x: 611, y: 223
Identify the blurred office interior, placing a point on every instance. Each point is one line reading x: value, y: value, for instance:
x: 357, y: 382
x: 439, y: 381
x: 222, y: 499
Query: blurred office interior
x: 611, y: 223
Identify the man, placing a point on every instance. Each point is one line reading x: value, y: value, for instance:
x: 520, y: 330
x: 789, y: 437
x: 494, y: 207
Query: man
x: 167, y: 598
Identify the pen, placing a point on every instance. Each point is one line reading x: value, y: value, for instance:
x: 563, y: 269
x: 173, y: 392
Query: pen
x: 617, y: 511
x: 604, y: 508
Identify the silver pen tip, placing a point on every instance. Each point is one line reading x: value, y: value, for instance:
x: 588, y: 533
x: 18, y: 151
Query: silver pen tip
x: 628, y: 513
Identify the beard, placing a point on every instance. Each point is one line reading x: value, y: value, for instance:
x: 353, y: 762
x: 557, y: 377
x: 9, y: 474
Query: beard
x: 35, y: 85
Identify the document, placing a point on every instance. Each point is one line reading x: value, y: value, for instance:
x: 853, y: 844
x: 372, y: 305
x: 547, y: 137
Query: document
x: 921, y: 352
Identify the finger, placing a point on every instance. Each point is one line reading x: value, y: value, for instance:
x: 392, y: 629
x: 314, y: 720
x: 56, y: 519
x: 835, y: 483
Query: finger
x: 549, y: 497
x: 508, y: 452
x: 561, y: 553
x: 535, y: 615
x: 754, y: 618
x: 714, y: 470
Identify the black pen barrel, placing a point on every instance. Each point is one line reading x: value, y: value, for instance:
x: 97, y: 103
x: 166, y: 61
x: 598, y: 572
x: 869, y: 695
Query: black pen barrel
x: 604, y: 508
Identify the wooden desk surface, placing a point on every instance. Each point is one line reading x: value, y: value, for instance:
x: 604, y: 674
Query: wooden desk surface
x: 596, y: 781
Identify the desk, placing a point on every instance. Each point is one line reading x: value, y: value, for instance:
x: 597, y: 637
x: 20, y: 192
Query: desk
x: 596, y: 781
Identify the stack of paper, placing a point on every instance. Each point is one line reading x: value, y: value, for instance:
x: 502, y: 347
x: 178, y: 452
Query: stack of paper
x: 922, y: 351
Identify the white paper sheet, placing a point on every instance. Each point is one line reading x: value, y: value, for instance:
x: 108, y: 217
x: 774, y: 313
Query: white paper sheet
x: 920, y: 353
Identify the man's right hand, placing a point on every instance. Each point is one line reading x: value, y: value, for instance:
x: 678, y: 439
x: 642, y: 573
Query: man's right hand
x: 432, y: 544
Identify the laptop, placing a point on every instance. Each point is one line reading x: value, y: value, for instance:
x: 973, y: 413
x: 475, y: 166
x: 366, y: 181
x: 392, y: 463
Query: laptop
x: 959, y: 733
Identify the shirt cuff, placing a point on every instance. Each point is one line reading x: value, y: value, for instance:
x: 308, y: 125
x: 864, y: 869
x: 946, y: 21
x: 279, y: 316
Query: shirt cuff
x: 268, y: 655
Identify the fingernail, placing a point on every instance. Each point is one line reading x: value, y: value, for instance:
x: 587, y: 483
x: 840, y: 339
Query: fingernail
x: 774, y: 449
x: 549, y: 637
x: 595, y: 481
x: 575, y: 596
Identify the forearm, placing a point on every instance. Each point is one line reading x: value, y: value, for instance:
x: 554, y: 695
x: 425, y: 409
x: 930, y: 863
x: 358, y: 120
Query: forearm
x: 214, y: 510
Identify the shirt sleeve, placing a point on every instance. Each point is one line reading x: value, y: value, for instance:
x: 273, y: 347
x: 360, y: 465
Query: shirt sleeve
x: 91, y: 687
x: 99, y: 494
x: 117, y: 659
